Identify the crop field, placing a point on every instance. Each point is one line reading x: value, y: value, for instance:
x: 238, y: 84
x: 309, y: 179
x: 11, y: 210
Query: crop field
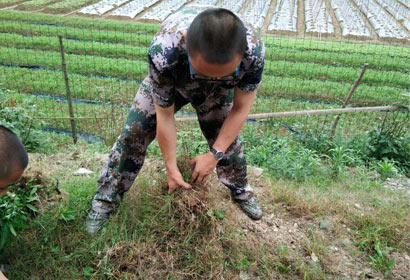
x: 375, y: 20
x: 106, y: 61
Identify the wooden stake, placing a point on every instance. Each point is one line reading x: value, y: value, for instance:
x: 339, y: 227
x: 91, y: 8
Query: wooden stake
x: 67, y: 86
x: 349, y: 96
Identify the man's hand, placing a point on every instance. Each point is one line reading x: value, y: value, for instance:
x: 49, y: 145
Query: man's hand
x: 203, y: 166
x: 176, y: 180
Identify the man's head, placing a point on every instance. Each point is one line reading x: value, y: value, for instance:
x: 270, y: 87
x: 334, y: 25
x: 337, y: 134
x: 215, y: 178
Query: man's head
x: 216, y: 42
x: 13, y: 158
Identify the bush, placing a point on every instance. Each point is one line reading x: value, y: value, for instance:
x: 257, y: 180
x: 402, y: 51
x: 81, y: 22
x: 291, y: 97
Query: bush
x: 384, y: 145
x: 284, y: 159
x: 378, y: 148
x: 15, y: 208
x: 19, y: 118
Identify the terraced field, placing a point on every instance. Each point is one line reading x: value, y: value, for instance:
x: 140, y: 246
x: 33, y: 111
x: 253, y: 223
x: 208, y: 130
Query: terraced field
x: 378, y: 20
x: 106, y: 61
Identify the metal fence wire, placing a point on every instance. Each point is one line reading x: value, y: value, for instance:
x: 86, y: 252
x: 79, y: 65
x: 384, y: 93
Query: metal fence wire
x: 308, y: 68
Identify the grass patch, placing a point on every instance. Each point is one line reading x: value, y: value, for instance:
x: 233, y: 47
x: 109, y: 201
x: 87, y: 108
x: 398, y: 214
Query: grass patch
x: 104, y: 24
x: 34, y: 4
x: 201, y: 234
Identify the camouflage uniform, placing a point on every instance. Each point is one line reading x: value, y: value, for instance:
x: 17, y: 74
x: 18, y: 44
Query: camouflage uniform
x: 169, y: 83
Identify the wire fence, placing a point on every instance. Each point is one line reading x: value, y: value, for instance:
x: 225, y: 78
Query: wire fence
x: 106, y: 60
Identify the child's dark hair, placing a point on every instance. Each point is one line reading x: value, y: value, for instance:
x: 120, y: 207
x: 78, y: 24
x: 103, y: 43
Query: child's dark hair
x: 13, y: 155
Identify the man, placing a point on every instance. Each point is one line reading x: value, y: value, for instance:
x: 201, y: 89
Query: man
x: 215, y: 64
x: 13, y: 162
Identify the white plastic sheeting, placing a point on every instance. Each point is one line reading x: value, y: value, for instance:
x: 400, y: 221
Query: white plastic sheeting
x: 285, y: 16
x: 317, y: 17
x: 398, y: 11
x: 205, y: 2
x: 405, y: 2
x: 256, y: 12
x: 350, y: 20
x: 164, y: 9
x: 133, y: 8
x: 382, y: 22
x: 234, y: 6
x: 102, y: 7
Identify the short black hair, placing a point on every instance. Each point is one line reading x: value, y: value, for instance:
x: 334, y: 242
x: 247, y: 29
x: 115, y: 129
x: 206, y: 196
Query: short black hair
x: 13, y: 155
x: 218, y: 35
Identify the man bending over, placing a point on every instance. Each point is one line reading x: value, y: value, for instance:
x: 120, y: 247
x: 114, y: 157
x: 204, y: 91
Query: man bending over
x: 211, y: 59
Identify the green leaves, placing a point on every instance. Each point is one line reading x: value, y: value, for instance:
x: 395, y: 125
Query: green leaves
x: 219, y: 214
x: 284, y: 158
x: 381, y: 261
x: 15, y: 208
x: 21, y: 121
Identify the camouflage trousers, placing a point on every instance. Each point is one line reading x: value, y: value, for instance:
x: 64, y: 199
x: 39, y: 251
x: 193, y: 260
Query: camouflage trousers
x: 128, y: 153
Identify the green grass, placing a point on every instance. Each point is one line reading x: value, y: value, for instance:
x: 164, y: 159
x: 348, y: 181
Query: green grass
x: 81, y: 64
x: 106, y: 121
x: 125, y: 49
x: 115, y: 50
x: 339, y: 57
x: 6, y: 3
x: 117, y: 91
x: 153, y: 235
x: 106, y: 59
x: 140, y: 37
x: 342, y: 47
x: 109, y: 90
x: 34, y: 4
x: 130, y: 69
x: 102, y: 24
x: 299, y: 44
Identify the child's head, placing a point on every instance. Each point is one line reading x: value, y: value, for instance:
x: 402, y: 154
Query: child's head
x: 13, y: 158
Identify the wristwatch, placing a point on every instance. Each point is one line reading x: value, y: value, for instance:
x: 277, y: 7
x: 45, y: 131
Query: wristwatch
x: 218, y: 154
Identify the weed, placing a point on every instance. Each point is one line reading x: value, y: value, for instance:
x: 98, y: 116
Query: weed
x: 284, y: 159
x: 385, y: 143
x: 19, y: 118
x: 381, y: 261
x: 340, y: 158
x: 19, y: 205
x: 386, y: 168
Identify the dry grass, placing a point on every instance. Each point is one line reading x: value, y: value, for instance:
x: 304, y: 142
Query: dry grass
x: 309, y: 231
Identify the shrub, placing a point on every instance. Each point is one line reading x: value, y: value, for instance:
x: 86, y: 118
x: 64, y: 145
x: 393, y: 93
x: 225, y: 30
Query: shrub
x: 19, y: 118
x: 386, y: 145
x: 284, y: 159
x: 15, y: 208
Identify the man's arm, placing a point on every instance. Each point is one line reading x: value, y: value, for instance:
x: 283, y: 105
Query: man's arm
x: 206, y: 163
x: 167, y: 138
x: 2, y: 277
x: 234, y: 122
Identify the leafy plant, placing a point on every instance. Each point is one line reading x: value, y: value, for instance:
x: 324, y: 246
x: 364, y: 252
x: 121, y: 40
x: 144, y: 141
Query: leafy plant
x: 21, y: 121
x: 340, y: 158
x: 385, y: 144
x: 15, y: 208
x: 386, y: 169
x: 284, y: 159
x: 381, y: 261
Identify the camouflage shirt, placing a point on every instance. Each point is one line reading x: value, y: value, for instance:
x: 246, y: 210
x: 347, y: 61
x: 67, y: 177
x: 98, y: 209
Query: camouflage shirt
x: 169, y: 69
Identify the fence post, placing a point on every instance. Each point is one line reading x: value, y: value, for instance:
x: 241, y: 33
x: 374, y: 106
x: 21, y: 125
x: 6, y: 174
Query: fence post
x: 67, y: 85
x: 349, y: 96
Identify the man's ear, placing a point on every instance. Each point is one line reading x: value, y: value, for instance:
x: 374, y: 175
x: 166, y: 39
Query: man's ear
x: 184, y: 33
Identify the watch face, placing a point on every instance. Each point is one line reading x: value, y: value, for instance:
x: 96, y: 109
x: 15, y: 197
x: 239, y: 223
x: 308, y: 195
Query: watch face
x: 219, y: 155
